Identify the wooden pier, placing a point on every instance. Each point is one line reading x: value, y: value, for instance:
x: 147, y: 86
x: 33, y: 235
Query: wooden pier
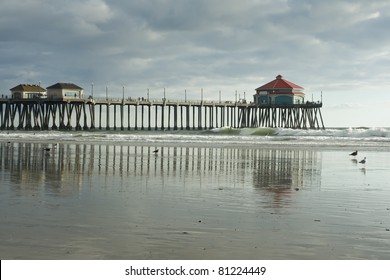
x: 126, y: 114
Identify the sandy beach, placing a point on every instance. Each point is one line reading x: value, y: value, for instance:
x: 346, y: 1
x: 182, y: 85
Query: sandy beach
x: 102, y: 201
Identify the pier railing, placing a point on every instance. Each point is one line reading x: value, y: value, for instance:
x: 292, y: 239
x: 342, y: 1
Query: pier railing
x: 144, y: 101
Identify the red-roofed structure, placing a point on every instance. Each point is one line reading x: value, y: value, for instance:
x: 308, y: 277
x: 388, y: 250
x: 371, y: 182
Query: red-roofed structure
x: 279, y: 92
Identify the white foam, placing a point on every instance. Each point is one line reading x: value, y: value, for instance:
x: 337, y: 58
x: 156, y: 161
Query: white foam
x: 254, y: 137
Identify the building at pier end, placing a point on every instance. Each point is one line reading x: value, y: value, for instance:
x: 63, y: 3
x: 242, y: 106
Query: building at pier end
x: 279, y: 92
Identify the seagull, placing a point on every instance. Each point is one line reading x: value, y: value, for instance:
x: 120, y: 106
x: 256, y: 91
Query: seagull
x: 363, y: 160
x: 354, y: 153
x: 155, y: 151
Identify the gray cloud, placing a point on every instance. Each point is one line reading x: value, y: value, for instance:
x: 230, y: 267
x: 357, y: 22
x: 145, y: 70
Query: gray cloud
x: 215, y: 45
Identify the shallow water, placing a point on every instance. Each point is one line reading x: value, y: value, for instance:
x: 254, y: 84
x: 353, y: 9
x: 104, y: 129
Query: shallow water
x: 100, y: 201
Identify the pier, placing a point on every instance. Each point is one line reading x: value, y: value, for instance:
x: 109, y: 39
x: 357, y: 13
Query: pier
x: 142, y: 114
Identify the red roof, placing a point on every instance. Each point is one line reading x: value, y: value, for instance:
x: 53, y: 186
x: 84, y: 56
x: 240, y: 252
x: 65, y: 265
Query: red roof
x: 279, y: 83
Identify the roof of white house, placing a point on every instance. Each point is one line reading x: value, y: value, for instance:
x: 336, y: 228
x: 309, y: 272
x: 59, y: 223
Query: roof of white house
x: 64, y: 86
x: 28, y: 88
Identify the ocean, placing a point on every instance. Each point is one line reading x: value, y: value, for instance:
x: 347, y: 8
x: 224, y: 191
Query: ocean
x: 255, y: 193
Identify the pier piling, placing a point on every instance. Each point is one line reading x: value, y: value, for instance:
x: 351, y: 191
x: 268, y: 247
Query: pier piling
x: 81, y: 114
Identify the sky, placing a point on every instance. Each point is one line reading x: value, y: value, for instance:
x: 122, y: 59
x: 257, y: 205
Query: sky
x: 338, y: 48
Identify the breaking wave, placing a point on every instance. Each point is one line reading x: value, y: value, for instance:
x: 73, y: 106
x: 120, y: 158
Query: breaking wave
x: 225, y: 136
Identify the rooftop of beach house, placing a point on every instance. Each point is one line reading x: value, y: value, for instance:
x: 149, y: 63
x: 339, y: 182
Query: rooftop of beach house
x: 279, y: 92
x: 27, y: 91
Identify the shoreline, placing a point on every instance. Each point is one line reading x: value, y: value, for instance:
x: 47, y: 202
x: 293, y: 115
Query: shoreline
x: 269, y: 145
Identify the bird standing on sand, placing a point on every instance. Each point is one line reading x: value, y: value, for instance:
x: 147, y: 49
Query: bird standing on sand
x: 354, y: 153
x: 363, y: 160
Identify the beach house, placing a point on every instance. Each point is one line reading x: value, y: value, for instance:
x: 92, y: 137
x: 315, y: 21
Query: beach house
x: 27, y: 91
x: 279, y: 92
x: 64, y: 91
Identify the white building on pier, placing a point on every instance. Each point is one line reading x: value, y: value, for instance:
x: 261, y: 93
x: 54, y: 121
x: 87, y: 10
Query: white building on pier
x: 64, y: 91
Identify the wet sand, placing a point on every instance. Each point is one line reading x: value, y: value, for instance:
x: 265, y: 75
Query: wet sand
x: 95, y: 201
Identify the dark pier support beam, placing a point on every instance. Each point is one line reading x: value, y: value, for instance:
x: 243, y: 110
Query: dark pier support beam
x: 322, y: 121
x: 223, y: 116
x: 193, y: 116
x: 211, y: 117
x: 199, y: 117
x: 100, y: 116
x: 234, y: 117
x: 230, y: 118
x: 162, y: 116
x: 216, y: 116
x: 62, y: 115
x: 135, y: 117
x: 53, y: 113
x: 149, y: 117
x: 12, y: 117
x: 68, y: 109
x: 36, y: 115
x: 108, y: 117
x: 114, y: 116
x: 142, y: 117
x: 21, y: 117
x: 169, y: 117
x: 128, y: 117
x: 181, y: 117
x: 29, y: 116
x: 92, y: 115
x: 156, y: 117
x: 78, y: 110
x: 241, y: 118
x: 1, y: 115
x: 175, y: 117
x: 188, y: 117
x: 122, y: 114
x: 85, y: 117
x: 205, y: 118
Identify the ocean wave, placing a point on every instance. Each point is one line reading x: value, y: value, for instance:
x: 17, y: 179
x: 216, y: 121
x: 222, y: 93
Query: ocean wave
x: 254, y: 137
x: 261, y: 131
x: 336, y: 132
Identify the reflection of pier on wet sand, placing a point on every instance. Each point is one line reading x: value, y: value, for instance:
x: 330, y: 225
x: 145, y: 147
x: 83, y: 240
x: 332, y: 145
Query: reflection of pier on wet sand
x: 268, y: 169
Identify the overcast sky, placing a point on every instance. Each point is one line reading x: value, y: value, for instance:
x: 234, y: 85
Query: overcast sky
x: 341, y: 48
